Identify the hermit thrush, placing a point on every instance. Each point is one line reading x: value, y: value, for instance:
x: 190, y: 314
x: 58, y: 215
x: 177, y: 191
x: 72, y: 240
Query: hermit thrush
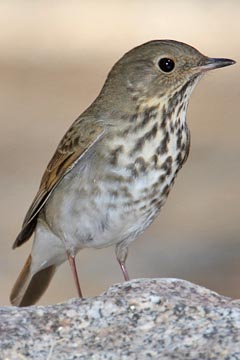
x: 114, y: 168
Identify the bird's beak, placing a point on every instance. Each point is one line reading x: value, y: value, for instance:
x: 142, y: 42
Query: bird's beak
x: 214, y: 63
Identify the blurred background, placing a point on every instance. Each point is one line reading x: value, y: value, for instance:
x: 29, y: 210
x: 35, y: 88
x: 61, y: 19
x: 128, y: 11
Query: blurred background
x: 54, y: 58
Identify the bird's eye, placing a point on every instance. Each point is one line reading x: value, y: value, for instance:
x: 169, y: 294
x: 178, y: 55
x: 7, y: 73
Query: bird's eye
x: 166, y: 65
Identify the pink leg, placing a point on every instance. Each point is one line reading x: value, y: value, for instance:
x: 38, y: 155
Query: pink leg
x: 72, y: 263
x: 124, y: 270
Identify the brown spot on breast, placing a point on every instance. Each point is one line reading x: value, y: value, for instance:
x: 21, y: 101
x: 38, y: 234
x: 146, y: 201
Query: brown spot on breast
x: 138, y: 167
x: 149, y: 113
x: 155, y: 160
x: 179, y: 138
x: 163, y: 147
x: 177, y: 123
x: 179, y: 159
x: 125, y: 191
x: 163, y: 118
x: 149, y: 135
x: 162, y: 178
x: 171, y: 128
x: 133, y: 170
x: 114, y: 155
x: 153, y: 201
x: 179, y: 109
x: 167, y: 165
x: 166, y: 190
x: 141, y: 164
x: 139, y: 145
x: 152, y: 133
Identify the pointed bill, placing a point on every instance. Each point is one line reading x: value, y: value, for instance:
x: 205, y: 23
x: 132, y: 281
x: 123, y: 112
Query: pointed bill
x: 214, y: 63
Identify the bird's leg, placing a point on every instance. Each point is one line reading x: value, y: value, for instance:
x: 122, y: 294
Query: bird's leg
x: 121, y: 254
x: 71, y: 259
x: 124, y: 270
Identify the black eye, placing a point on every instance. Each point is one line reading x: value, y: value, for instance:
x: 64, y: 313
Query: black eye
x: 166, y: 65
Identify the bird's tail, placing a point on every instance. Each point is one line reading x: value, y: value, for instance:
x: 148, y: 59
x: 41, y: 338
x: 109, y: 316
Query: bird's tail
x: 29, y: 286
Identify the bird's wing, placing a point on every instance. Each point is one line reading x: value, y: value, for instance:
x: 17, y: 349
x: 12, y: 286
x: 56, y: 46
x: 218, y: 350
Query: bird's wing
x: 81, y: 136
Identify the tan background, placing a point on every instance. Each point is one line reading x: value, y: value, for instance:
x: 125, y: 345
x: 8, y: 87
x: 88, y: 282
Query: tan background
x: 54, y: 57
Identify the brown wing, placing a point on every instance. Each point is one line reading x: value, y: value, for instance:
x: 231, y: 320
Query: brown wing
x: 81, y: 136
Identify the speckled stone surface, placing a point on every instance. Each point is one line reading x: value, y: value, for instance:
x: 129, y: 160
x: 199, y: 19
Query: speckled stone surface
x: 142, y: 319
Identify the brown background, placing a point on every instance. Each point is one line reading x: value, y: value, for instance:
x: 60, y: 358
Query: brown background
x: 54, y: 57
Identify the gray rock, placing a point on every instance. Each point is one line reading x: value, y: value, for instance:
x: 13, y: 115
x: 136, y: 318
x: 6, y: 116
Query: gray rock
x: 140, y: 319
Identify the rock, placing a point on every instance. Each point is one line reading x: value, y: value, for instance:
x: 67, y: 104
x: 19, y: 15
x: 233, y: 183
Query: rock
x: 141, y: 319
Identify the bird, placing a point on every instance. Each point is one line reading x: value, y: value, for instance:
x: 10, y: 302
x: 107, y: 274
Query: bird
x: 114, y: 168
